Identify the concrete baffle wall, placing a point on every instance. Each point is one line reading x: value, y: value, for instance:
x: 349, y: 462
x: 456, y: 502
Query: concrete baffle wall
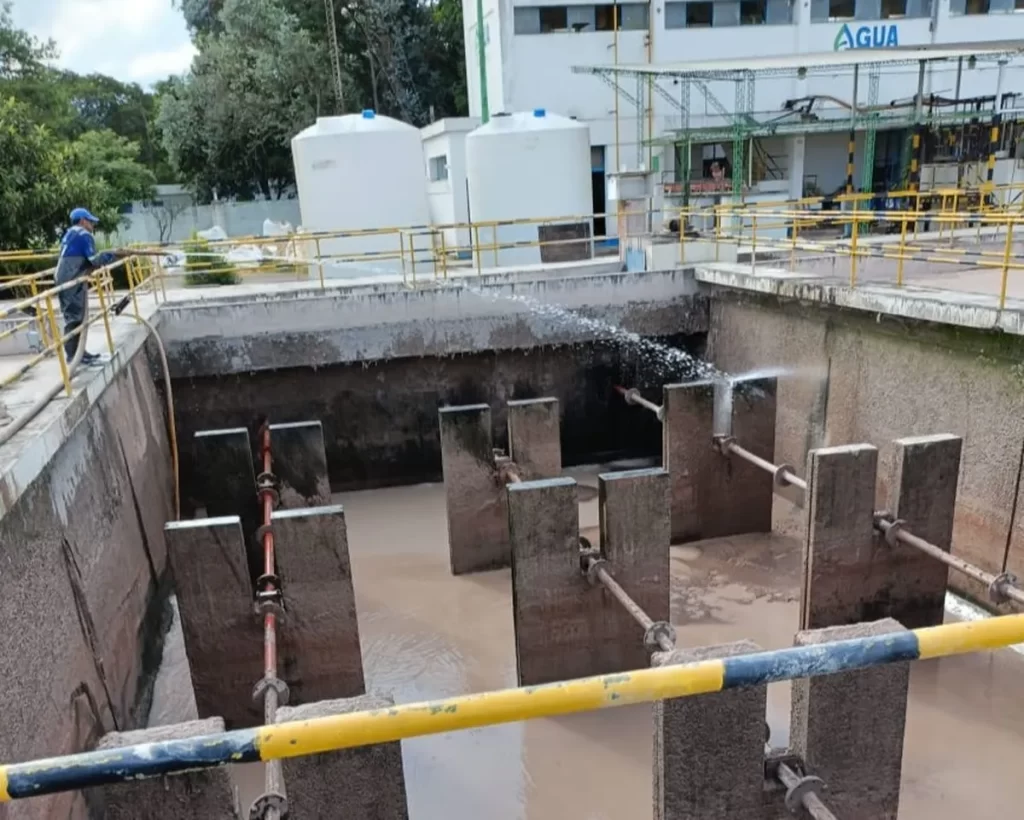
x: 848, y: 728
x: 204, y: 794
x: 845, y: 574
x: 225, y: 483
x: 223, y: 638
x: 709, y: 749
x: 477, y: 514
x: 366, y: 782
x: 714, y: 495
x: 534, y: 438
x: 299, y: 460
x: 564, y: 627
x: 319, y: 632
x: 923, y: 496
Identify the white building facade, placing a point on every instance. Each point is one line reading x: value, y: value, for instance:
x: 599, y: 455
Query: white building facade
x: 531, y: 46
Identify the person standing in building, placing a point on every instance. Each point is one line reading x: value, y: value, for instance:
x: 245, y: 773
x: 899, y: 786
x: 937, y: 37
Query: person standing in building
x: 78, y: 258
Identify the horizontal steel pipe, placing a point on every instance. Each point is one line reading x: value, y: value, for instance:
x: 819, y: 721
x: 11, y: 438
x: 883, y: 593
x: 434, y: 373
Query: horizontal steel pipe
x: 301, y: 738
x: 632, y: 396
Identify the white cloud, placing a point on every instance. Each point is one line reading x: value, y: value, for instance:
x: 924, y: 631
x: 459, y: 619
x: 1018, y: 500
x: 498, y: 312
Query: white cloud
x: 138, y: 41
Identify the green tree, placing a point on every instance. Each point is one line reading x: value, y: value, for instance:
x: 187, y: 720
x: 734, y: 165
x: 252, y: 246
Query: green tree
x: 45, y: 176
x: 228, y: 126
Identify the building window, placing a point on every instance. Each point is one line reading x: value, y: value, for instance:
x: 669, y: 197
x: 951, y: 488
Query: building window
x: 725, y: 13
x: 438, y: 168
x: 832, y: 11
x: 547, y: 19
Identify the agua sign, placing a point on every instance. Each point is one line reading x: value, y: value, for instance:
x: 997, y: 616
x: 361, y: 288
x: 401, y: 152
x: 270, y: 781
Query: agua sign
x: 877, y: 36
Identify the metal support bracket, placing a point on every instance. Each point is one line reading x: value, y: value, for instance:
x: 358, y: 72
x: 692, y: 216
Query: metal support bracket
x: 722, y: 443
x: 655, y: 632
x: 892, y: 534
x: 997, y: 589
x: 266, y: 802
x: 590, y: 564
x: 269, y: 596
x: 780, y: 478
x: 809, y: 784
x: 267, y: 484
x: 278, y: 685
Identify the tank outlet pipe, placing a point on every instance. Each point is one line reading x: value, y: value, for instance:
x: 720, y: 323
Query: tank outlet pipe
x: 803, y: 793
x: 506, y: 469
x: 658, y: 635
x: 632, y: 396
x: 782, y: 473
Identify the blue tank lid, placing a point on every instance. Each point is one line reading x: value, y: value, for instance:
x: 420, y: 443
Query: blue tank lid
x: 539, y: 112
x: 369, y: 113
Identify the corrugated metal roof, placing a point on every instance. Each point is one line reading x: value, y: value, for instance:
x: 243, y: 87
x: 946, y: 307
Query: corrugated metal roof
x: 817, y: 62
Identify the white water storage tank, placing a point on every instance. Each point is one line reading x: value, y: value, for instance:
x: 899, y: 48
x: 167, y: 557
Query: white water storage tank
x: 532, y: 165
x: 362, y: 172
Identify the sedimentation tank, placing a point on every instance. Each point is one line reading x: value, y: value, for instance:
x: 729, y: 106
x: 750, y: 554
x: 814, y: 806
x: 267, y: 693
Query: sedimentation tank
x: 531, y: 166
x: 361, y: 172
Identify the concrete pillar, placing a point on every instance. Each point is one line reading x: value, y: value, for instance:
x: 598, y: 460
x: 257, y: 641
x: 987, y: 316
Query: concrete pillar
x: 923, y: 496
x: 709, y: 749
x: 635, y: 539
x: 319, y: 634
x: 223, y: 639
x: 477, y: 514
x: 205, y: 794
x: 534, y: 437
x: 549, y: 593
x: 300, y: 464
x: 795, y: 150
x: 564, y: 627
x: 367, y: 782
x: 848, y: 728
x: 226, y: 482
x: 843, y: 575
x: 714, y: 495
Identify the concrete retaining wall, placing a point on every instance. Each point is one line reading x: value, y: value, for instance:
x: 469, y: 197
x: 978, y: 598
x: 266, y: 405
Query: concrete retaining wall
x: 857, y: 377
x: 81, y: 566
x: 243, y: 329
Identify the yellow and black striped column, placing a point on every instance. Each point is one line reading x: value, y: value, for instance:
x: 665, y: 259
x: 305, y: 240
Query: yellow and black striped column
x: 851, y: 149
x: 915, y: 159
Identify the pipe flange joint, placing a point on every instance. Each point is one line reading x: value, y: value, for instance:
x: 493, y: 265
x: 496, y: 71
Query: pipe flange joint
x: 265, y: 802
x: 262, y: 530
x: 631, y: 396
x: 657, y: 630
x: 593, y: 565
x: 269, y: 597
x: 722, y: 443
x: 278, y: 685
x: 782, y: 473
x: 997, y: 589
x: 269, y: 490
x: 892, y: 534
x: 809, y: 784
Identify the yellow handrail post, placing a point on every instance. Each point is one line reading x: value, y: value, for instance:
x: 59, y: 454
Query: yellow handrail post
x: 43, y: 340
x: 917, y: 210
x: 1006, y: 262
x: 793, y: 234
x: 753, y: 241
x: 320, y: 263
x: 682, y: 236
x: 853, y: 247
x: 129, y: 266
x: 494, y: 235
x: 444, y: 256
x: 903, y: 246
x: 412, y: 256
x: 718, y: 229
x: 477, y: 250
x: 59, y: 345
x: 99, y: 283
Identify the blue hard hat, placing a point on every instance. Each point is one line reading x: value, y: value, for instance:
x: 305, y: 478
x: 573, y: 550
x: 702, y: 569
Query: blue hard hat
x: 79, y: 214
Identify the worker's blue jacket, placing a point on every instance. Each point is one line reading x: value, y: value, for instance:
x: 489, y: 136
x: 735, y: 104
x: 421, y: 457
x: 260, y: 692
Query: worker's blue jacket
x: 78, y: 255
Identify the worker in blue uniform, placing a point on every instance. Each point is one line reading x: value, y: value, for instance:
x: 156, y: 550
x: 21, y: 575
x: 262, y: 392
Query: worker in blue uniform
x: 78, y: 258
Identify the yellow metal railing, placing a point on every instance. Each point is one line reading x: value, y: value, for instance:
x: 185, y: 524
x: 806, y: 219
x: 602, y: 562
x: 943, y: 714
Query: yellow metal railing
x: 38, y: 308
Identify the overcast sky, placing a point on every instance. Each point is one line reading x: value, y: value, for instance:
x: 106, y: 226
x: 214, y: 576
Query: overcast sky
x: 138, y: 41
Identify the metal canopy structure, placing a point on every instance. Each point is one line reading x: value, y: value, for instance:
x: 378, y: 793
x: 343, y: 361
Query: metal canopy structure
x: 814, y: 63
x: 742, y: 128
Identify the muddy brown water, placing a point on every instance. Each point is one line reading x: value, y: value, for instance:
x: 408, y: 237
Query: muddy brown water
x: 426, y: 634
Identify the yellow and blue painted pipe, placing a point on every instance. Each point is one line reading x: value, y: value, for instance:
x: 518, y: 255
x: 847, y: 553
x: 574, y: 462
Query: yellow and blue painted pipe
x: 325, y: 734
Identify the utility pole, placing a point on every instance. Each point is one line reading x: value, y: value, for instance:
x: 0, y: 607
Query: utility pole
x: 332, y: 40
x: 481, y: 48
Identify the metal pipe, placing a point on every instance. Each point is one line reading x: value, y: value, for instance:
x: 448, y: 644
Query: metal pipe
x: 596, y: 566
x: 810, y: 801
x: 1000, y: 586
x: 325, y: 734
x: 632, y: 396
x: 784, y: 473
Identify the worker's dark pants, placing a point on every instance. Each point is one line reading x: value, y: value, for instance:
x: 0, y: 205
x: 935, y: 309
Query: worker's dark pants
x: 72, y: 305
